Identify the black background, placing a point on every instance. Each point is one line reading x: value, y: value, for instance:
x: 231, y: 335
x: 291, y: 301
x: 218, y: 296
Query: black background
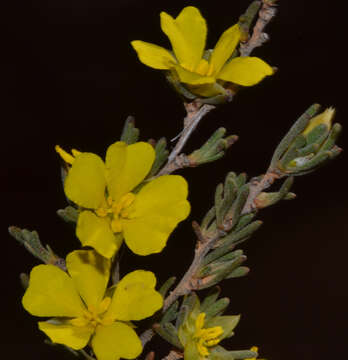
x: 70, y: 77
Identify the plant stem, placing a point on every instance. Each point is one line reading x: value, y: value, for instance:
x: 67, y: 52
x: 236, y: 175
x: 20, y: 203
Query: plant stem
x: 195, y: 113
x: 173, y: 355
x: 258, y: 37
x: 188, y: 282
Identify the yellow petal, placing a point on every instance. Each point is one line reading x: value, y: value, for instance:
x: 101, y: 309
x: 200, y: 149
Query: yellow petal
x: 246, y: 71
x: 135, y: 297
x: 323, y: 118
x: 127, y: 166
x: 158, y: 208
x: 207, y: 90
x: 85, y: 183
x: 225, y: 47
x: 187, y: 34
x: 193, y: 78
x: 90, y: 273
x: 51, y: 292
x: 153, y: 55
x: 96, y: 232
x: 116, y: 341
x: 74, y: 337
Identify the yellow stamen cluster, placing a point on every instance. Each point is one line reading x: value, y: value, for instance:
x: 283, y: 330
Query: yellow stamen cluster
x: 94, y: 315
x: 117, y: 209
x: 206, y: 337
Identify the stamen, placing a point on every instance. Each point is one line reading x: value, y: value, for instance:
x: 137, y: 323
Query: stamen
x: 79, y: 322
x: 65, y: 155
x: 116, y: 225
x: 206, y: 337
x: 75, y: 152
x: 103, y: 306
x: 202, y: 68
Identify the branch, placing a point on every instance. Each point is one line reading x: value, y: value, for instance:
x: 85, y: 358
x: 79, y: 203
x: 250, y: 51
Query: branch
x: 173, y: 355
x: 256, y: 187
x: 195, y: 112
x: 258, y: 37
x: 146, y: 336
x: 205, y: 244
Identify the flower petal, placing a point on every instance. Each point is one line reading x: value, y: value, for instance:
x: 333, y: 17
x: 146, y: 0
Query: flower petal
x: 90, y: 273
x: 187, y: 34
x: 85, y: 183
x: 158, y: 208
x: 225, y: 47
x: 207, y: 90
x: 116, y: 341
x: 51, y: 292
x: 246, y: 71
x: 127, y: 166
x: 135, y: 297
x: 192, y: 78
x: 74, y: 337
x: 96, y: 232
x: 153, y: 55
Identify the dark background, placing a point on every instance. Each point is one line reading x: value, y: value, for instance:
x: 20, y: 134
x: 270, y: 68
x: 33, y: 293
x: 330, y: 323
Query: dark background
x: 70, y: 77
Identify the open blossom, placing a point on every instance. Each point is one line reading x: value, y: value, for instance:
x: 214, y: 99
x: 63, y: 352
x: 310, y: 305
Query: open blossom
x: 110, y: 208
x: 204, y: 72
x: 84, y: 312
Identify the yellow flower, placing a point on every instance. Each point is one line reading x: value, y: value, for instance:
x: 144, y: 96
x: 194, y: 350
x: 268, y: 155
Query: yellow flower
x: 82, y: 311
x: 204, y: 72
x: 111, y: 211
x: 206, y: 337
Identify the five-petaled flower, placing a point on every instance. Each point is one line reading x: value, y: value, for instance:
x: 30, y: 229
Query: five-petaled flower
x: 204, y: 72
x: 110, y: 208
x: 84, y: 312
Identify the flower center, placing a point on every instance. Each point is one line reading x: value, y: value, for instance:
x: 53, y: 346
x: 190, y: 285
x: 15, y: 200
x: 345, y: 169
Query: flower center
x: 94, y: 315
x: 203, y: 68
x: 206, y: 337
x: 117, y: 210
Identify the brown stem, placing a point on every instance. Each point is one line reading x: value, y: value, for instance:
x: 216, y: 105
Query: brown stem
x: 259, y: 37
x: 256, y: 187
x: 195, y: 113
x: 174, y: 355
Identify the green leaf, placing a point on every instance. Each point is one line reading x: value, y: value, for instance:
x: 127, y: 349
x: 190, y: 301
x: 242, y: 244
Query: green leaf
x: 210, y: 298
x: 243, y: 221
x: 130, y: 133
x: 239, y: 272
x: 208, y: 218
x: 220, y: 273
x: 166, y: 286
x: 219, y: 353
x: 171, y: 313
x: 235, y: 238
x: 318, y: 133
x: 161, y: 157
x: 217, y: 308
x: 233, y: 215
x: 294, y: 131
x: 169, y: 333
x: 332, y: 137
x: 69, y: 214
